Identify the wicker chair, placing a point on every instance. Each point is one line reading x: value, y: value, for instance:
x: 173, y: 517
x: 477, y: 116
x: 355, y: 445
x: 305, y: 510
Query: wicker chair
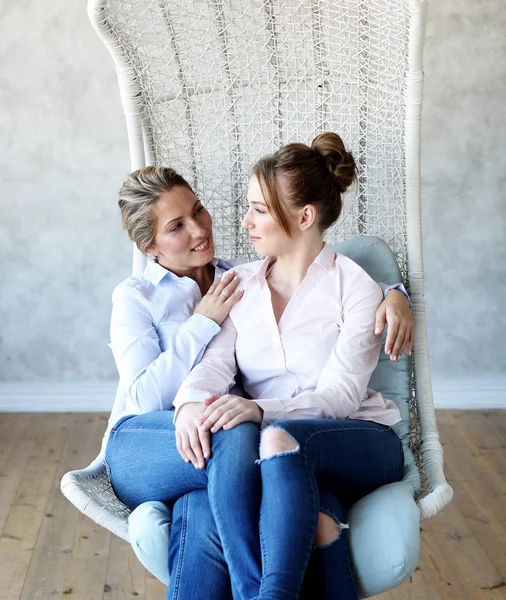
x: 208, y: 86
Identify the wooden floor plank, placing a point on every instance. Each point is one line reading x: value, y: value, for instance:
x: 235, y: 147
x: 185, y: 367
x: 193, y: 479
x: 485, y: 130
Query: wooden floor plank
x: 155, y: 589
x: 126, y: 577
x: 87, y: 566
x: 47, y: 574
x: 46, y: 440
x: 14, y: 456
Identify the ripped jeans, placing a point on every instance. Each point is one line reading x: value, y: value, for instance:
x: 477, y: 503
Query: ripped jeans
x: 143, y: 464
x: 349, y: 458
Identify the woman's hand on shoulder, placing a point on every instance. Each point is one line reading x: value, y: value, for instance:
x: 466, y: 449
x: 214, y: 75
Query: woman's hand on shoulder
x: 227, y: 412
x: 193, y: 443
x: 220, y: 298
x: 395, y: 312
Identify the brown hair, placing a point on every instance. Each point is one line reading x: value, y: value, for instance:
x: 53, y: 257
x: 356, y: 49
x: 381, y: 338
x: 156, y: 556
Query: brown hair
x: 297, y: 175
x: 137, y: 198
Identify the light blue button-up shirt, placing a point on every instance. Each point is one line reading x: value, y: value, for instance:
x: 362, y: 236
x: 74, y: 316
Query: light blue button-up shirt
x: 156, y: 339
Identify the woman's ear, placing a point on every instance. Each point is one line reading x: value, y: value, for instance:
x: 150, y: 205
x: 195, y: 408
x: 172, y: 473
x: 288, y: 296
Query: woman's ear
x: 151, y: 251
x: 307, y: 217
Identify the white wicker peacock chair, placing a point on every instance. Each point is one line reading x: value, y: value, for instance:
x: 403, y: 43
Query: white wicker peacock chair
x: 209, y: 86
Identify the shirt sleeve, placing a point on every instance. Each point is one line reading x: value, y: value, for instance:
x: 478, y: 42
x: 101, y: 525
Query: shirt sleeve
x: 215, y: 374
x: 385, y: 288
x: 151, y: 377
x: 343, y: 382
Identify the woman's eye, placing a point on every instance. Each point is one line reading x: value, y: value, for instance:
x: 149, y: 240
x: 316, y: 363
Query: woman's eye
x: 176, y: 228
x: 199, y: 210
x: 260, y: 212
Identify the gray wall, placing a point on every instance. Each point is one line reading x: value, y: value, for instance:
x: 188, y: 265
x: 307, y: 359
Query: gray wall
x: 64, y: 153
x: 464, y: 186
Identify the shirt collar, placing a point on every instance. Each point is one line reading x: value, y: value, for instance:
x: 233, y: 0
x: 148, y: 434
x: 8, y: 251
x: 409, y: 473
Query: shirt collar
x: 154, y: 272
x: 325, y: 259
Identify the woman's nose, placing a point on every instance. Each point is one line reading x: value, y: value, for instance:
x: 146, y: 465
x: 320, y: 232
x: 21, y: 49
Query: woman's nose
x: 245, y: 224
x: 197, y: 230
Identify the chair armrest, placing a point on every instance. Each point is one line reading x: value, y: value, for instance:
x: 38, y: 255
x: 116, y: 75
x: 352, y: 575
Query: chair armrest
x: 91, y: 492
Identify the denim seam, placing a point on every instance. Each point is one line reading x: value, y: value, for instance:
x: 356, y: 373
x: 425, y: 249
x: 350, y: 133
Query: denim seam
x: 182, y: 544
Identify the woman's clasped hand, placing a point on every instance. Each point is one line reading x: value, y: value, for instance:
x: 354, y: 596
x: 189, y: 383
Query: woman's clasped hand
x: 197, y: 420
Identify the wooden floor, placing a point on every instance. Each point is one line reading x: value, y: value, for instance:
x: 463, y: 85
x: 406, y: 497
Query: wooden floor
x: 48, y: 549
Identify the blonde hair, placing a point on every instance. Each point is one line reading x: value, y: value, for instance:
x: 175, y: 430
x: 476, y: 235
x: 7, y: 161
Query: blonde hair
x: 137, y: 197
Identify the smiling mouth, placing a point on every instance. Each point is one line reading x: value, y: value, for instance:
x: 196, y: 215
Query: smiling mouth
x: 202, y: 247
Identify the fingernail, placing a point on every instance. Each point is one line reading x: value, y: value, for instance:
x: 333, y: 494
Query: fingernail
x: 213, y: 429
x: 387, y: 350
x: 378, y: 330
x: 201, y: 465
x: 207, y: 455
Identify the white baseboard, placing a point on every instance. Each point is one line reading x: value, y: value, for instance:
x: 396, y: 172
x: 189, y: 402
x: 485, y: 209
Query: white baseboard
x: 58, y: 396
x: 486, y: 392
x: 481, y: 393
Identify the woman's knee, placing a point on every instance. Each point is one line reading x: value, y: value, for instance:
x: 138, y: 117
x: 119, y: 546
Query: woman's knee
x: 149, y: 526
x: 276, y: 441
x: 199, y: 511
x: 240, y: 434
x: 239, y: 444
x: 328, y: 530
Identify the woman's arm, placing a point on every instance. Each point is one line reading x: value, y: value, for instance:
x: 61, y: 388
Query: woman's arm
x: 215, y: 373
x: 395, y: 311
x: 152, y: 377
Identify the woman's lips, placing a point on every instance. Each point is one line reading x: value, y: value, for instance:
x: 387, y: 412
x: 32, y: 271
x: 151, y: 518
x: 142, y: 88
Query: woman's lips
x: 253, y: 239
x: 203, y: 247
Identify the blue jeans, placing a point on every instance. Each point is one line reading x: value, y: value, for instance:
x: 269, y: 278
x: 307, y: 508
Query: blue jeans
x: 198, y: 569
x: 349, y: 458
x: 143, y: 464
x: 183, y: 541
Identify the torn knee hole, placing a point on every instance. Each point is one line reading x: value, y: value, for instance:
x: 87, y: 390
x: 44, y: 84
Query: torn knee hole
x: 276, y: 441
x: 328, y: 529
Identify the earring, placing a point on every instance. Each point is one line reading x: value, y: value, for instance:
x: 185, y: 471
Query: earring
x: 302, y: 226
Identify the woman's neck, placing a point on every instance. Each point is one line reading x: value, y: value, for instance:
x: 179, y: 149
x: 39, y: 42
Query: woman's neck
x: 203, y: 276
x: 290, y: 268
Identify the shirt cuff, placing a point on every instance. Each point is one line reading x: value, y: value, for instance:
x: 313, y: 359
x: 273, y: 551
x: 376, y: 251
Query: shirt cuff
x: 203, y: 328
x: 188, y: 395
x: 397, y: 286
x: 273, y: 408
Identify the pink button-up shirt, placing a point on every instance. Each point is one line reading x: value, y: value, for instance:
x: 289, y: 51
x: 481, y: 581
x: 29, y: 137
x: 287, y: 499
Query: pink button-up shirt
x: 316, y: 362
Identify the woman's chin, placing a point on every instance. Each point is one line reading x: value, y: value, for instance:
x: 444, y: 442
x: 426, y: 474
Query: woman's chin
x: 202, y: 258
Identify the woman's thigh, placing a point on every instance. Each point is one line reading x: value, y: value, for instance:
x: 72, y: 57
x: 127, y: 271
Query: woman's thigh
x: 352, y: 457
x: 143, y: 462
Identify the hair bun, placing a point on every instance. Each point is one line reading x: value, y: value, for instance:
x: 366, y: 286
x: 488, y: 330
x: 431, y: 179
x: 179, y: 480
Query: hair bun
x: 338, y: 160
